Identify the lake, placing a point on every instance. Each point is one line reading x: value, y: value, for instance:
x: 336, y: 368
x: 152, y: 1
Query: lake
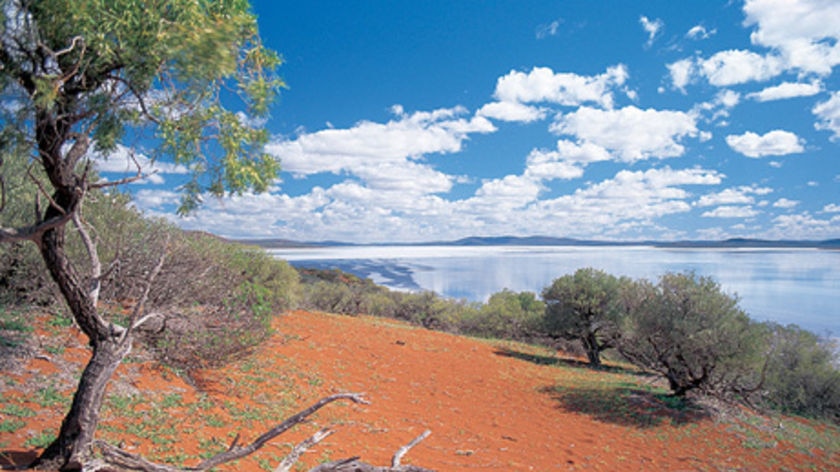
x: 799, y: 286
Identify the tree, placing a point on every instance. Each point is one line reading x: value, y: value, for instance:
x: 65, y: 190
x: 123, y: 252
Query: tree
x: 802, y: 375
x: 585, y: 306
x: 687, y: 329
x: 79, y: 76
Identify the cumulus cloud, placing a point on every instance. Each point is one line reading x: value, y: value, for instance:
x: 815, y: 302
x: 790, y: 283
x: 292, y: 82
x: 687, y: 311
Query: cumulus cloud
x: 700, y: 32
x: 739, y: 66
x: 630, y: 133
x: 831, y: 208
x: 804, y: 32
x: 681, y: 73
x: 828, y: 113
x: 651, y: 27
x: 368, y: 143
x: 787, y: 90
x: 566, y: 162
x: 773, y: 143
x: 733, y: 196
x: 731, y: 212
x: 543, y: 85
x: 785, y: 203
x: 512, y: 111
x: 124, y: 160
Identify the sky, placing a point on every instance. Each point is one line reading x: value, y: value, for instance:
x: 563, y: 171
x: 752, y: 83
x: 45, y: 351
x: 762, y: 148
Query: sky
x: 409, y: 121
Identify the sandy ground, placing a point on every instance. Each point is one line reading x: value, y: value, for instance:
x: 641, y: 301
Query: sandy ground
x: 488, y: 405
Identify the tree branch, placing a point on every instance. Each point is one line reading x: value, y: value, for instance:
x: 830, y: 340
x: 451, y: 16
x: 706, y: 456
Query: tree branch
x: 239, y: 452
x: 395, y: 461
x: 297, y: 451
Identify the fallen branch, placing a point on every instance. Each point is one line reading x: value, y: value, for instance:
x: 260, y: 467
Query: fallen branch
x: 354, y: 465
x: 114, y: 457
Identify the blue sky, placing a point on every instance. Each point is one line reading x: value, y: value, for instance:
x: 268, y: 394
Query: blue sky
x: 436, y: 120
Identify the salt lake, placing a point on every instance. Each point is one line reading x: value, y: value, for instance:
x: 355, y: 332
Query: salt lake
x: 799, y: 286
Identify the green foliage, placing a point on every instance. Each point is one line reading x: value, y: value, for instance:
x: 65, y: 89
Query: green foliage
x: 695, y: 335
x: 183, y: 70
x: 801, y: 375
x: 585, y: 306
x: 506, y: 315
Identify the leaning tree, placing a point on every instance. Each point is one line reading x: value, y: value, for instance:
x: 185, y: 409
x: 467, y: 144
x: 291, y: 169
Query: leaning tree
x: 78, y: 77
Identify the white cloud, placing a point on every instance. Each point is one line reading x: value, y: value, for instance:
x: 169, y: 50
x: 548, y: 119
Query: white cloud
x: 733, y: 196
x: 785, y: 203
x: 564, y: 163
x: 773, y: 143
x: 828, y: 113
x: 374, y: 144
x: 787, y: 90
x: 731, y: 212
x: 739, y: 66
x: 542, y: 85
x: 804, y: 32
x: 512, y: 111
x: 124, y: 160
x: 804, y: 226
x: 700, y: 32
x: 630, y: 133
x: 681, y: 73
x: 651, y: 27
x: 831, y: 208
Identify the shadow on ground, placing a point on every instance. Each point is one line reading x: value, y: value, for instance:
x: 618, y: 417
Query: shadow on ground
x: 16, y: 459
x: 625, y: 406
x: 560, y: 361
x: 623, y: 402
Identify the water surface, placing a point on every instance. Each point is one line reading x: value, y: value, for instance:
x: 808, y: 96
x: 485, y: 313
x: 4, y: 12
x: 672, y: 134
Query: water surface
x: 799, y: 286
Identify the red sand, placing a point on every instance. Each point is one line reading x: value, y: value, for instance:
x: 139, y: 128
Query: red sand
x: 486, y: 411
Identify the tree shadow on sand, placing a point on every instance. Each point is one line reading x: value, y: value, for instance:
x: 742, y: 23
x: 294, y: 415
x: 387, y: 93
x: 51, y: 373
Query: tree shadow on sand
x: 561, y: 361
x: 611, y: 399
x: 627, y: 406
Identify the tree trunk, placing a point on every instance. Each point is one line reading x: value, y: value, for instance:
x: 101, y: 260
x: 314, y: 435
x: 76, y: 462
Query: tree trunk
x: 73, y: 444
x: 80, y: 423
x: 593, y: 352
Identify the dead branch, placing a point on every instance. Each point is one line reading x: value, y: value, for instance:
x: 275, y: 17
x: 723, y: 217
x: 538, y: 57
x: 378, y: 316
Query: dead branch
x: 113, y: 458
x: 290, y: 459
x: 354, y: 465
x: 395, y: 461
x: 239, y: 452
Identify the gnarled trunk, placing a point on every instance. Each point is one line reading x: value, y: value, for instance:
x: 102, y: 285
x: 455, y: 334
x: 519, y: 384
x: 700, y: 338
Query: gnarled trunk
x: 77, y: 431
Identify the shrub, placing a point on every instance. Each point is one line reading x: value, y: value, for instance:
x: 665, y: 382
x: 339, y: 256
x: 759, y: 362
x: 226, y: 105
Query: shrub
x: 801, y: 375
x: 506, y: 315
x: 692, y: 333
x: 585, y: 306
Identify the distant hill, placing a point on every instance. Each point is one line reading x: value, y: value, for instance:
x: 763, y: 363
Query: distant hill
x: 733, y: 243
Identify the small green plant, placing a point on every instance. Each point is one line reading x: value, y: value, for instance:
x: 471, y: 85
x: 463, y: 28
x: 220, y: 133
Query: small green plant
x: 171, y: 400
x: 11, y: 425
x: 49, y: 396
x: 42, y: 440
x: 17, y: 410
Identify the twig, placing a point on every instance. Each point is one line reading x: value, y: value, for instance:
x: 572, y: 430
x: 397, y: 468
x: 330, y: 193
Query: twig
x: 298, y: 450
x: 395, y: 461
x: 292, y: 421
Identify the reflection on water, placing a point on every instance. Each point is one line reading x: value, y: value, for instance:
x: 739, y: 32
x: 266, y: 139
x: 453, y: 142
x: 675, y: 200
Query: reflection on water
x: 799, y: 286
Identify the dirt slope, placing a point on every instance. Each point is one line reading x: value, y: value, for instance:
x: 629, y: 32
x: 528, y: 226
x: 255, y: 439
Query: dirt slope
x: 490, y: 406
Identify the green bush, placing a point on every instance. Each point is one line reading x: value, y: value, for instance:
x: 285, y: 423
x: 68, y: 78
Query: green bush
x: 693, y: 334
x: 801, y: 375
x: 506, y: 315
x: 585, y: 306
x: 214, y: 299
